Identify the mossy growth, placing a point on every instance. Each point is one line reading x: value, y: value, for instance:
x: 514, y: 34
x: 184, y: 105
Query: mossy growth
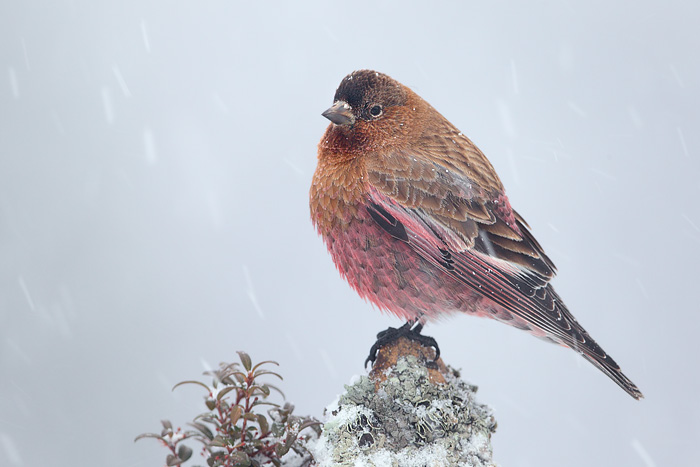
x: 406, y: 419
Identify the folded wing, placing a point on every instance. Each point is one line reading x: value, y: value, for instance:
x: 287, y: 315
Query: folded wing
x: 447, y: 203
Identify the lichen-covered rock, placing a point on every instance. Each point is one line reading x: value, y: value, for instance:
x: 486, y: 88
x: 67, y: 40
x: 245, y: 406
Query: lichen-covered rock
x: 405, y: 418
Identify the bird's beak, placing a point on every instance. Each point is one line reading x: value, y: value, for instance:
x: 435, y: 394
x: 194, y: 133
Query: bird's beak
x: 340, y: 113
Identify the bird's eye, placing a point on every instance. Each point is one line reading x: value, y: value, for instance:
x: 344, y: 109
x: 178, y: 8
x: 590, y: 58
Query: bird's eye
x: 376, y: 110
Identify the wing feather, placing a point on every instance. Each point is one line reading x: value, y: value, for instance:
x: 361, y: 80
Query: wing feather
x: 466, y: 227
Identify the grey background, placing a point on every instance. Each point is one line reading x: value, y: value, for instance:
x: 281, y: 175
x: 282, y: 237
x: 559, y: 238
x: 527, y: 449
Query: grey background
x: 155, y: 160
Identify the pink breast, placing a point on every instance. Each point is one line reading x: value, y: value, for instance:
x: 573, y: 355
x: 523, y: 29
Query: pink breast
x: 391, y: 275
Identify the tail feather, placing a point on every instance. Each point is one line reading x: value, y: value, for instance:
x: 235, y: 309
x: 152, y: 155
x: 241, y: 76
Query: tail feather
x: 608, y: 366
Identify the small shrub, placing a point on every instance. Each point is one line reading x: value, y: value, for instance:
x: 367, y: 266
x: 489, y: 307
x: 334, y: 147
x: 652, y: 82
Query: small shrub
x: 233, y: 431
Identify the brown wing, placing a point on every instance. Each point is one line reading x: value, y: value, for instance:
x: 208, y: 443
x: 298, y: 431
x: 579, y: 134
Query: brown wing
x: 454, y: 185
x: 460, y: 220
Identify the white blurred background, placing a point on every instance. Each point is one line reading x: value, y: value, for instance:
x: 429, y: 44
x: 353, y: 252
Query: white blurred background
x: 155, y: 160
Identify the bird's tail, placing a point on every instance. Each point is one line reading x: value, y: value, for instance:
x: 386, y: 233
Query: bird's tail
x: 583, y: 343
x: 608, y: 366
x: 569, y: 333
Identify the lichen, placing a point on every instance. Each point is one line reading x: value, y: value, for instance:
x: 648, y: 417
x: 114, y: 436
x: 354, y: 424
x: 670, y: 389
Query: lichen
x: 407, y: 421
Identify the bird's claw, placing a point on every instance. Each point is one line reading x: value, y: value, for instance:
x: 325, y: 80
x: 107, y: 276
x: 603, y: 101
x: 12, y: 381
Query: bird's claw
x: 409, y: 332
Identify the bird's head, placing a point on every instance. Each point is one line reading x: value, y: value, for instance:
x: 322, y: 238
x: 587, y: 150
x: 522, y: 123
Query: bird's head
x: 367, y: 109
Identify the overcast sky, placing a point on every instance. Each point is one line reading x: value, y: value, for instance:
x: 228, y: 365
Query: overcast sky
x: 155, y: 161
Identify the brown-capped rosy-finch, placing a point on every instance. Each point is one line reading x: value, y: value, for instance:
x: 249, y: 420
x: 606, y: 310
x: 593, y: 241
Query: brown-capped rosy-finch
x: 418, y: 222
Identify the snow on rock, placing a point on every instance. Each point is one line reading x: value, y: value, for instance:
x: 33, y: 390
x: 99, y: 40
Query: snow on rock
x: 404, y: 417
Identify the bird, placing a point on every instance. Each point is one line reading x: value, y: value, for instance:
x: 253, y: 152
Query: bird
x: 417, y: 221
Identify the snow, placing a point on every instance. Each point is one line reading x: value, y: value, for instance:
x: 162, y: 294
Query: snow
x: 11, y: 451
x: 14, y: 85
x: 406, y: 421
x: 144, y: 35
x: 120, y: 80
x: 251, y: 292
x: 643, y: 454
x: 107, y: 104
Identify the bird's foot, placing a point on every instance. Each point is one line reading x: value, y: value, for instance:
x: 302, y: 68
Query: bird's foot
x: 411, y: 330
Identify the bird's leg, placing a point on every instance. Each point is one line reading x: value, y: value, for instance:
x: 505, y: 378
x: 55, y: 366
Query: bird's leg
x: 411, y: 330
